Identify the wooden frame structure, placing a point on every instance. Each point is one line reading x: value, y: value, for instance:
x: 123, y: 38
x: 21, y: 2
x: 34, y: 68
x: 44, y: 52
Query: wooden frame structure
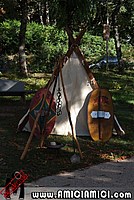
x: 58, y: 72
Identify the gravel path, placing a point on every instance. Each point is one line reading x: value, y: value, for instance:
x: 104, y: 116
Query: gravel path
x: 110, y: 174
x: 107, y: 178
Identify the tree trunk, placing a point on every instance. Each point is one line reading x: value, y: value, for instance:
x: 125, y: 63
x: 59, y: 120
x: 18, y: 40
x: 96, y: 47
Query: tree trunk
x: 117, y: 43
x: 41, y: 5
x: 22, y: 55
x: 46, y: 18
x: 118, y: 48
x: 116, y: 35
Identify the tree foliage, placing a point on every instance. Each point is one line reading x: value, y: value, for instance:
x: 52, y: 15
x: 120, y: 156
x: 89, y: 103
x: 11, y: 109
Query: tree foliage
x: 71, y: 13
x: 62, y: 13
x: 76, y: 13
x: 44, y: 44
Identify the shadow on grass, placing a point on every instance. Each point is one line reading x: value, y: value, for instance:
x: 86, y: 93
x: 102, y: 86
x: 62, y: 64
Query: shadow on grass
x: 40, y: 162
x: 43, y: 162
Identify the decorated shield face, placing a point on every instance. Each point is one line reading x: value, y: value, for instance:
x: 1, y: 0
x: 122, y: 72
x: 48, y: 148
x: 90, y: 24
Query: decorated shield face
x: 48, y: 113
x: 100, y: 115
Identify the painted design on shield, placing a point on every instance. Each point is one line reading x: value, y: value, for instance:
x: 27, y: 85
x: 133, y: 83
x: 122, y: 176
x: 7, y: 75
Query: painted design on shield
x: 34, y: 109
x: 103, y: 100
x: 100, y: 115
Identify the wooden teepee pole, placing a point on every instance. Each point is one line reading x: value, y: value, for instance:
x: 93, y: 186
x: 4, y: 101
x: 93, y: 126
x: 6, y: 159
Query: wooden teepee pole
x: 68, y: 111
x: 37, y: 117
x: 46, y: 117
x: 32, y: 132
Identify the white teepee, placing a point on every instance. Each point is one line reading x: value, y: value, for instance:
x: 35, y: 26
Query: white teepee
x: 77, y: 86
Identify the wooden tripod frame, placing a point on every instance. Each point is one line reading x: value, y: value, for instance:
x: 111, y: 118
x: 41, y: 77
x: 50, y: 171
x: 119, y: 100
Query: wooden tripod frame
x: 58, y: 70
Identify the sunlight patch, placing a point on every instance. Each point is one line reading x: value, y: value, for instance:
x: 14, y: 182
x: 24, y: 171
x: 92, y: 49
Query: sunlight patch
x: 130, y: 101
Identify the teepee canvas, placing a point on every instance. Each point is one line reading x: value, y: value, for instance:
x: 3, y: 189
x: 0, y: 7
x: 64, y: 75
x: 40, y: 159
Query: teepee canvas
x: 77, y: 79
x: 78, y: 87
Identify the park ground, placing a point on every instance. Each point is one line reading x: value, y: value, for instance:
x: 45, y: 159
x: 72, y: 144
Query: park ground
x: 43, y: 162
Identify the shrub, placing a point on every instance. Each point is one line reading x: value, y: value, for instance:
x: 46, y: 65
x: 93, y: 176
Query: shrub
x: 54, y: 43
x: 10, y: 36
x: 44, y: 44
x: 94, y: 47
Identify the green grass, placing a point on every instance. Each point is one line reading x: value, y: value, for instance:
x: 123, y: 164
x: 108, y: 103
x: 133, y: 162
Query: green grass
x: 42, y: 162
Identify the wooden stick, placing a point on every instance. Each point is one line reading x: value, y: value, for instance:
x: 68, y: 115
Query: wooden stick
x: 46, y: 117
x: 32, y: 132
x: 86, y: 66
x: 68, y: 111
x: 37, y: 118
x: 79, y: 36
x: 81, y: 57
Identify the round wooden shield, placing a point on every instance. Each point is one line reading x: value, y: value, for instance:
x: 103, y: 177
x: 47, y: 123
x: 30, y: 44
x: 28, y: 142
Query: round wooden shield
x: 45, y: 118
x: 100, y: 115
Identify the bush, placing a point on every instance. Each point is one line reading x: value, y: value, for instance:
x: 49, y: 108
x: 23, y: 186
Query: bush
x: 44, y: 44
x: 49, y: 46
x: 94, y: 47
x: 10, y: 36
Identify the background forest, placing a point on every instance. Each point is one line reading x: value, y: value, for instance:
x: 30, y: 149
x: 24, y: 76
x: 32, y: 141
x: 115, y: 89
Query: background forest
x: 33, y: 31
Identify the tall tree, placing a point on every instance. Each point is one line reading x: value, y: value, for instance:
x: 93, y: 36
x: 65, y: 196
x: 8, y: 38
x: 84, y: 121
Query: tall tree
x: 115, y: 25
x: 126, y: 20
x: 70, y: 13
x: 46, y: 17
x: 22, y: 55
x: 73, y: 14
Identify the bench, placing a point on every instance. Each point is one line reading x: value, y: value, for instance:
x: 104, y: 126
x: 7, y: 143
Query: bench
x: 14, y: 88
x: 22, y: 94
